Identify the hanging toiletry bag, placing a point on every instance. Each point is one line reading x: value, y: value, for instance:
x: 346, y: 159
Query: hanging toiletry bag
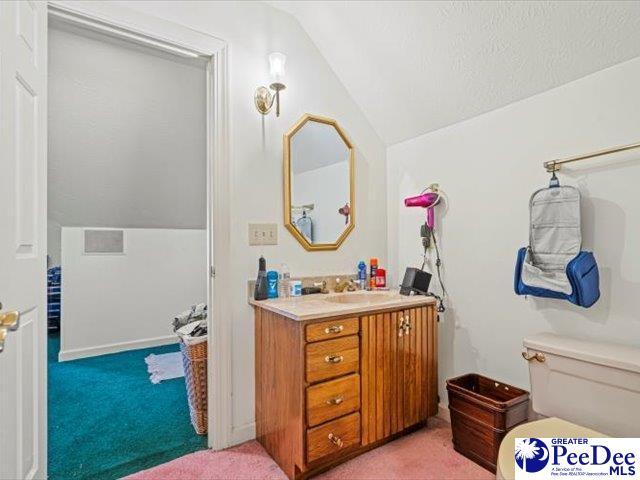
x: 553, y: 265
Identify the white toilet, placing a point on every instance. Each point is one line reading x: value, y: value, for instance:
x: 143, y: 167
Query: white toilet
x: 583, y: 387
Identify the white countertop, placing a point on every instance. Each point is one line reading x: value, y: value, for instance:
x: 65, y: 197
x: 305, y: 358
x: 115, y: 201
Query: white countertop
x: 311, y: 307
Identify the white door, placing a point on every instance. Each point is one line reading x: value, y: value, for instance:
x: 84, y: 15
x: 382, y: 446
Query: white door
x: 23, y: 148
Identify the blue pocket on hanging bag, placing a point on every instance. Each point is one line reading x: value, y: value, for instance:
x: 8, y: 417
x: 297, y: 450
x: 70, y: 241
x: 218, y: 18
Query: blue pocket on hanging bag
x: 583, y: 276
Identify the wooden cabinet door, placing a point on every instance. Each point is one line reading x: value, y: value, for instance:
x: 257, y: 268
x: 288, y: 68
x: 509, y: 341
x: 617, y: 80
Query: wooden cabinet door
x: 419, y: 358
x: 398, y: 371
x: 378, y: 370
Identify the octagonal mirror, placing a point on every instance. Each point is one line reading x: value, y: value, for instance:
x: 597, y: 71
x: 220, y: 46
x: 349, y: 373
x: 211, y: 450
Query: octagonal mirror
x: 318, y: 183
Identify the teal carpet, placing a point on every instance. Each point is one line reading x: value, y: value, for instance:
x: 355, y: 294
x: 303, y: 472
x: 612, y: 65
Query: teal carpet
x: 107, y: 420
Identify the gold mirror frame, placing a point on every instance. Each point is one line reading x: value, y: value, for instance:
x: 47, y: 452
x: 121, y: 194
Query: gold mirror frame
x: 288, y: 223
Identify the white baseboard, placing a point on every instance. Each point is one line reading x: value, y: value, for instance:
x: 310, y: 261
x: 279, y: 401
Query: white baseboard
x: 243, y: 433
x: 77, y: 353
x: 443, y: 413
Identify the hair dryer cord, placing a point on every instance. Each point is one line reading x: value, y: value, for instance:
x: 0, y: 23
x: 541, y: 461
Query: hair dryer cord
x: 441, y: 307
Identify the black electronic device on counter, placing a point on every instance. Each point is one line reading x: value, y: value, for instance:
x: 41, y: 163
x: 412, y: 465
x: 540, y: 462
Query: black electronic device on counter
x: 415, y: 281
x: 311, y: 290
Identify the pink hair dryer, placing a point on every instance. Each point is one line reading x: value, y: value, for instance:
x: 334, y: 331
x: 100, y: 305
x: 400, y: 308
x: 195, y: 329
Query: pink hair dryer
x: 428, y: 199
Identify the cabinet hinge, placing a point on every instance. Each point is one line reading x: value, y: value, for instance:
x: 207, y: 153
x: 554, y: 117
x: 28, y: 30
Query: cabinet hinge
x: 212, y: 271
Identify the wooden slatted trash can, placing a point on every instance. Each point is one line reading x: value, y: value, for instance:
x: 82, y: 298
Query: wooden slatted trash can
x: 482, y: 411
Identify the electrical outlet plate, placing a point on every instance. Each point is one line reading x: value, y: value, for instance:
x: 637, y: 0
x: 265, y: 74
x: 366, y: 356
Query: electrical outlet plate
x: 263, y: 234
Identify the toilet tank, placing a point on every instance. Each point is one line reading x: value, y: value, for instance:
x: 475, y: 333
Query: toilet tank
x: 593, y: 384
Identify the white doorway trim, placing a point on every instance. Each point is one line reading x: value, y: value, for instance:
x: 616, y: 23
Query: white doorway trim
x: 113, y: 19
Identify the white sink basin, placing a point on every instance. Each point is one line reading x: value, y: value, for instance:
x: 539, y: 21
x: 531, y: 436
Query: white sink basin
x: 359, y: 298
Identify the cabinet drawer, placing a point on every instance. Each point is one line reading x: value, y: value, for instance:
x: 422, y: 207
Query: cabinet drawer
x: 332, y: 358
x: 332, y: 329
x: 333, y: 437
x: 332, y: 399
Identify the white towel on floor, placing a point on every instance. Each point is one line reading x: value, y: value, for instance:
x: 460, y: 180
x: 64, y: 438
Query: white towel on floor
x: 164, y: 366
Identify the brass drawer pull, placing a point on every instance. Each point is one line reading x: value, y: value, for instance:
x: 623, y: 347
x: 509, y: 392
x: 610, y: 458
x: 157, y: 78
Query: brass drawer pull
x: 536, y: 356
x: 333, y: 358
x: 337, y: 441
x: 404, y: 327
x: 334, y: 329
x: 335, y: 401
x: 407, y: 326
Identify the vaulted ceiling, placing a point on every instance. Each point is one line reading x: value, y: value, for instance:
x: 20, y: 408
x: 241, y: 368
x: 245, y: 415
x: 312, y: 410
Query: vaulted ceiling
x: 414, y: 67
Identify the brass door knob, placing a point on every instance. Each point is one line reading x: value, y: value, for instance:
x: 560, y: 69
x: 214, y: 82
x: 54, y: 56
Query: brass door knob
x: 336, y: 440
x: 10, y: 320
x: 333, y: 358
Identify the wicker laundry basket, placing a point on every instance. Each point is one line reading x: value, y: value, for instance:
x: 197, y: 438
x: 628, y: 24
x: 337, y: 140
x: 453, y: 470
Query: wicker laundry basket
x: 194, y: 358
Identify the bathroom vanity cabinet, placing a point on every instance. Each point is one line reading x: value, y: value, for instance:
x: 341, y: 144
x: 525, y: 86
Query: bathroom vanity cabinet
x: 329, y: 389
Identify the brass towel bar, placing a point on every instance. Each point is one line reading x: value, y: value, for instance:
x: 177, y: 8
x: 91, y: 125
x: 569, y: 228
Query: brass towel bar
x: 554, y: 165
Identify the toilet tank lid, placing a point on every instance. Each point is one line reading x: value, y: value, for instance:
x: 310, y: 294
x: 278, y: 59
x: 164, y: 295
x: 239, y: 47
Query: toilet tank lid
x: 613, y: 355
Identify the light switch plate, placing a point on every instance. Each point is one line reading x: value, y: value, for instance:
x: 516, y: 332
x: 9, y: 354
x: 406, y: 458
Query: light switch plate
x: 263, y: 234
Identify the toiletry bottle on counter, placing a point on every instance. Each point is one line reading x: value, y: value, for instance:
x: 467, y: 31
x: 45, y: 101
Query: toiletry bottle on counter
x: 261, y: 290
x: 295, y: 288
x: 362, y: 275
x: 373, y: 270
x: 272, y: 284
x: 381, y: 278
x: 285, y: 278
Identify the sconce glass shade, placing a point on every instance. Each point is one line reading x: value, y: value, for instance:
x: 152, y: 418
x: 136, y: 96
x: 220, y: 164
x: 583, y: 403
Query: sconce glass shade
x: 263, y: 98
x: 276, y: 66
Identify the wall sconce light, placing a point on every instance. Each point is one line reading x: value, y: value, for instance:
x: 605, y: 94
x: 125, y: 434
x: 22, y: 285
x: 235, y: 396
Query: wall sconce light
x: 263, y: 98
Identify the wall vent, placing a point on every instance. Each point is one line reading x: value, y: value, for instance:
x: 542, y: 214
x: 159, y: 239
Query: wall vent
x: 104, y: 242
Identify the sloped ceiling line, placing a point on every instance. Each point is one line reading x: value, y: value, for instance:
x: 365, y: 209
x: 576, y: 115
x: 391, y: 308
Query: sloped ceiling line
x: 415, y: 67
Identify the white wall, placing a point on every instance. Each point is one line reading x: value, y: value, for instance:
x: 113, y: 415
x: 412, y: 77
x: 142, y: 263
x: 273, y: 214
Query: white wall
x: 126, y: 136
x: 489, y: 166
x: 327, y: 188
x: 253, y: 30
x: 117, y: 302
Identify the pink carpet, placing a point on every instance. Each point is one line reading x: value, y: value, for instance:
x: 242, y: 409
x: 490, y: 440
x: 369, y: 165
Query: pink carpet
x: 425, y: 454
